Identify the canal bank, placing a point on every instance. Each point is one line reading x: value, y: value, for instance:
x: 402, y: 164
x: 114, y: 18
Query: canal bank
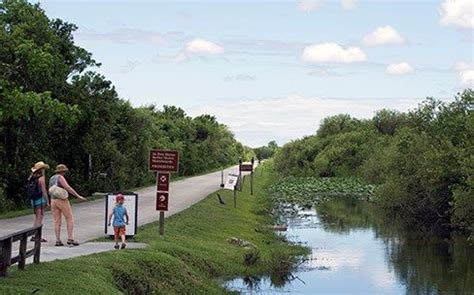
x: 202, y: 245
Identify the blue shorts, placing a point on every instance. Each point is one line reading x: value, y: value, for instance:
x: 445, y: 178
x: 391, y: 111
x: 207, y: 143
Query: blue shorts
x: 41, y: 202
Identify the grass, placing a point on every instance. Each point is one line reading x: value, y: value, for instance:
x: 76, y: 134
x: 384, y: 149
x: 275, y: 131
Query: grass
x: 193, y: 257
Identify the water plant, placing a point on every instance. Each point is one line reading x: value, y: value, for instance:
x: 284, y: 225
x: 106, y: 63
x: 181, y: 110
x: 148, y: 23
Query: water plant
x: 304, y: 192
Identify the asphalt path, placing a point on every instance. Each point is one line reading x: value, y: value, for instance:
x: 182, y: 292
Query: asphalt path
x: 90, y: 216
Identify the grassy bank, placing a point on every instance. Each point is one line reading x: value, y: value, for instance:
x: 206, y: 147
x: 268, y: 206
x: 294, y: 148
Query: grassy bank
x: 194, y: 256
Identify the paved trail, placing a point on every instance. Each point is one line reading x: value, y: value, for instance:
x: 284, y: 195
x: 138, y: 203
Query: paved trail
x: 89, y: 216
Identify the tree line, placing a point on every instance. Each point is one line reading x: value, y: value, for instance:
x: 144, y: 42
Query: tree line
x: 54, y: 108
x: 422, y: 160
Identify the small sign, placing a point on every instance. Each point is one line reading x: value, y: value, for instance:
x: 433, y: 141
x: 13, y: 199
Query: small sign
x: 163, y: 182
x: 161, y: 201
x: 246, y: 167
x: 231, y: 182
x: 163, y: 161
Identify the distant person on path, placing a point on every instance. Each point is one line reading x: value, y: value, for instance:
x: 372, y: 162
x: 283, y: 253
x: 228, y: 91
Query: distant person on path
x: 58, y: 190
x: 119, y: 213
x: 37, y: 193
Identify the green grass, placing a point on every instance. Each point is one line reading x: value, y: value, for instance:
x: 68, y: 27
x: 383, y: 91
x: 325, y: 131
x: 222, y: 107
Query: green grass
x: 192, y: 257
x: 16, y: 213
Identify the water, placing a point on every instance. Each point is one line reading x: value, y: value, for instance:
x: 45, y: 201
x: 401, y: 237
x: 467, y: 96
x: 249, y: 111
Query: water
x: 357, y: 250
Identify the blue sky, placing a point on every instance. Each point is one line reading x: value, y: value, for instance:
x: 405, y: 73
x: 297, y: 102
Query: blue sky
x: 273, y: 69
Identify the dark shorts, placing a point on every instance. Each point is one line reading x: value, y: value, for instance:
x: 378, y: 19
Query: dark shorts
x: 38, y: 204
x: 119, y: 231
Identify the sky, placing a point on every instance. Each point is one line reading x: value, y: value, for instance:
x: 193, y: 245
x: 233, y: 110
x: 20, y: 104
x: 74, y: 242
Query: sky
x: 272, y: 70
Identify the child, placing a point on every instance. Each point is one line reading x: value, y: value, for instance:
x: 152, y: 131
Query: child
x: 119, y: 212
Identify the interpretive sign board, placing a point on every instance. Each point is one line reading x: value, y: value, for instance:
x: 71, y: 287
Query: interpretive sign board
x: 131, y: 204
x: 231, y: 182
x: 163, y: 161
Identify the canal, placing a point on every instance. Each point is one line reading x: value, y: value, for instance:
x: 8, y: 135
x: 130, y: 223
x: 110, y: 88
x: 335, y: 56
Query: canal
x: 356, y: 249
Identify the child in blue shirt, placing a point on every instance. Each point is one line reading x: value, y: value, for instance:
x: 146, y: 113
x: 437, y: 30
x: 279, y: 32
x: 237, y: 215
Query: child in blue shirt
x: 120, y: 220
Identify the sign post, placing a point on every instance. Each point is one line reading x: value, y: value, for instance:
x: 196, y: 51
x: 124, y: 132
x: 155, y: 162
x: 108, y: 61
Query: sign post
x: 251, y: 179
x: 235, y: 196
x: 240, y: 175
x: 163, y: 162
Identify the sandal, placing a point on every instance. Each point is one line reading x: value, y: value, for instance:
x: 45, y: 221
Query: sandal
x: 123, y: 246
x: 59, y: 244
x: 72, y: 243
x: 116, y: 246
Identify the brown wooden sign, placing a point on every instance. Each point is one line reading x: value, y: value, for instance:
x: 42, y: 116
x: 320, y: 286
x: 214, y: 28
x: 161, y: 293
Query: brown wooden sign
x: 163, y: 182
x: 161, y: 201
x: 163, y: 161
x: 246, y: 167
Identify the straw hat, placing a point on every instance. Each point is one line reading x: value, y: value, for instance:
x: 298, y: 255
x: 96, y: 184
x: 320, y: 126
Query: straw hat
x: 39, y: 165
x: 61, y: 168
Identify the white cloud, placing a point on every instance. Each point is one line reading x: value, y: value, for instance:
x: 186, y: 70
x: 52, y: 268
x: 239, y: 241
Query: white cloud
x: 256, y: 122
x: 466, y: 73
x: 349, y: 4
x: 309, y: 5
x: 201, y: 46
x: 400, y: 69
x: 459, y: 13
x: 382, y: 36
x: 332, y: 53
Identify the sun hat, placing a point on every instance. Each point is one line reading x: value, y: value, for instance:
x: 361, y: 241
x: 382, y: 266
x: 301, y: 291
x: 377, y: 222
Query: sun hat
x: 61, y: 168
x: 119, y: 197
x: 39, y: 165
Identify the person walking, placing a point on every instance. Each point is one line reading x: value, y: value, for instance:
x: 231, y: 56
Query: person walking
x: 37, y: 193
x: 59, y: 190
x: 121, y: 219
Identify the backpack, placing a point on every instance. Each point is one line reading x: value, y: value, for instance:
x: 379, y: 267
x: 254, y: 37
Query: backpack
x: 33, y: 189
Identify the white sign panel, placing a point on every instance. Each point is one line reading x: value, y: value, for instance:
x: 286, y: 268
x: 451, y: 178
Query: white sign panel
x: 231, y: 181
x: 131, y: 204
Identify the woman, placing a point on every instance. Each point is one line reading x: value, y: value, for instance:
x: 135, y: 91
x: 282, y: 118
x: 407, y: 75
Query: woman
x: 40, y: 201
x: 61, y: 206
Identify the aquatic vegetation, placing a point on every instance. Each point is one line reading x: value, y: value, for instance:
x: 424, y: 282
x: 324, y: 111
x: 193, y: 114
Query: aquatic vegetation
x: 305, y: 192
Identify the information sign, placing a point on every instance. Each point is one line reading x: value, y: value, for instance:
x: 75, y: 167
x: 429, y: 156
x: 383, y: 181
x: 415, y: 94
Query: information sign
x: 163, y: 161
x: 161, y: 201
x: 231, y: 182
x: 163, y: 182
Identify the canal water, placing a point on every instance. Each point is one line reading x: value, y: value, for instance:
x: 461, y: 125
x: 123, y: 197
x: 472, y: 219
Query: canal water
x: 357, y: 250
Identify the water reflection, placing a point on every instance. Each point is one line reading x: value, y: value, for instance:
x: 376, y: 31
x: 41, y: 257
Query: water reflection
x: 358, y: 250
x: 425, y: 263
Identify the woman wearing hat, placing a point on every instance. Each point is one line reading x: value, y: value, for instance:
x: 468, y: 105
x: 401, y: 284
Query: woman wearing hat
x: 60, y: 205
x: 37, y: 177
